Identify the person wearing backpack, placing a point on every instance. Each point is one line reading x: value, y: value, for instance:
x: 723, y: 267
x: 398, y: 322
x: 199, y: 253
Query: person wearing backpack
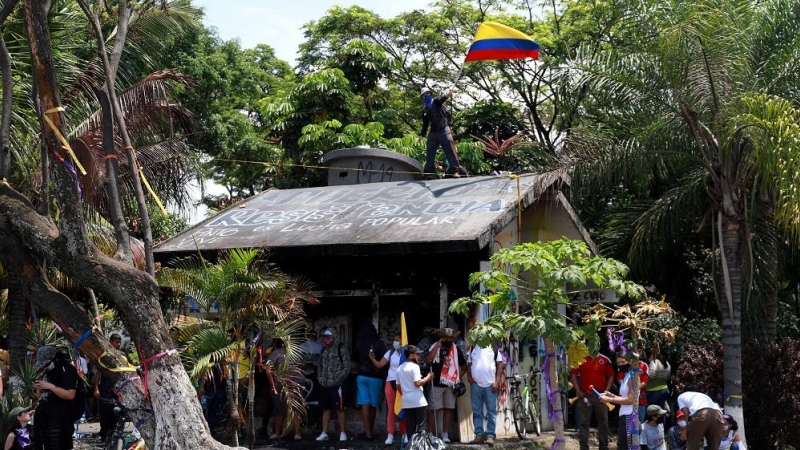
x: 334, y: 367
x: 56, y: 385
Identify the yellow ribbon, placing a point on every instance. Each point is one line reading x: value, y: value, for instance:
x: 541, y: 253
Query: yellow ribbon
x: 130, y: 368
x: 64, y: 143
x: 153, y: 193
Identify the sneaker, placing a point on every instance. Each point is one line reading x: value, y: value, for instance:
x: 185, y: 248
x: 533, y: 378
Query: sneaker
x: 479, y: 439
x: 297, y: 437
x: 445, y: 438
x: 274, y: 436
x: 452, y: 172
x: 389, y: 440
x: 342, y: 437
x: 405, y: 438
x: 490, y: 441
x: 323, y: 436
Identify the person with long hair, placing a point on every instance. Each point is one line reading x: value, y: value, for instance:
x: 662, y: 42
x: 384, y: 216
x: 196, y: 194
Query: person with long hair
x: 626, y: 410
x: 20, y: 432
x: 730, y: 436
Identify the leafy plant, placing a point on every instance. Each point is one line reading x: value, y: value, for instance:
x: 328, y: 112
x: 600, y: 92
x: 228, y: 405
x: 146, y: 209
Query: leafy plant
x: 772, y: 402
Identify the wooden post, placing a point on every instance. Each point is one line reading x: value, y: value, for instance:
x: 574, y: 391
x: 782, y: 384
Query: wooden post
x: 376, y: 306
x: 443, y: 305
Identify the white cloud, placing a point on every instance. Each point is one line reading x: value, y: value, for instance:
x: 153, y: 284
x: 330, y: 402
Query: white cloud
x: 279, y: 24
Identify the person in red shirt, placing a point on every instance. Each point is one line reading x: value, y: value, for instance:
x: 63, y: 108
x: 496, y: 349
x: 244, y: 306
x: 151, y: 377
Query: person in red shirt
x: 623, y: 366
x: 595, y: 372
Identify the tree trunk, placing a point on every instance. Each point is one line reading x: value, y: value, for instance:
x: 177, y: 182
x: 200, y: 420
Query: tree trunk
x: 178, y: 417
x: 770, y: 275
x: 558, y: 418
x: 731, y: 247
x: 5, y: 121
x: 233, y: 401
x: 636, y: 385
x: 112, y: 169
x: 17, y: 316
x: 110, y: 70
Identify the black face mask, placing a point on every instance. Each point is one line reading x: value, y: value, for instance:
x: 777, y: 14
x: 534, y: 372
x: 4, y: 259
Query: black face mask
x: 624, y: 367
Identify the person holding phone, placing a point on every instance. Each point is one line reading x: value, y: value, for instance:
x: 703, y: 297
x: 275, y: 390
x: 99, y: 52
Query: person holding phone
x: 369, y: 383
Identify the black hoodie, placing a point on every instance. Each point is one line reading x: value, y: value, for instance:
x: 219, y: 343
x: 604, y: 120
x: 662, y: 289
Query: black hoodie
x: 368, y: 339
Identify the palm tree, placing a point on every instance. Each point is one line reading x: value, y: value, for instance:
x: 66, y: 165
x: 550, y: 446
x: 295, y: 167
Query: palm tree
x: 702, y: 90
x: 255, y: 303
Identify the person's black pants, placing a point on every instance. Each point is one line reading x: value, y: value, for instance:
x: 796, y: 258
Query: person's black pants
x: 107, y: 419
x: 52, y: 431
x: 416, y: 420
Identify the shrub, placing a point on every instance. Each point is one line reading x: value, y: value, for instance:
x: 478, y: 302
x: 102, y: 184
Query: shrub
x: 701, y: 366
x: 771, y: 374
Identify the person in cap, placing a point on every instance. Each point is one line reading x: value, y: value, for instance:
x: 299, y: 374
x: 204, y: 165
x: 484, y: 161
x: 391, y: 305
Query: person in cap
x: 437, y: 118
x: 652, y: 435
x: 56, y: 385
x: 334, y: 368
x: 410, y: 382
x: 20, y: 433
x: 445, y: 359
x: 704, y: 417
x: 676, y: 435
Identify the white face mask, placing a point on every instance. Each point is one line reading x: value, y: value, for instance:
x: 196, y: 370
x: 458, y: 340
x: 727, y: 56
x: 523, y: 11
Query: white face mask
x: 682, y: 423
x: 396, y: 345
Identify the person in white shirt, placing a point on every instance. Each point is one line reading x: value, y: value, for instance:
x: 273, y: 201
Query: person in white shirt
x: 625, y: 400
x: 392, y: 358
x: 410, y: 382
x: 705, y: 419
x: 484, y: 372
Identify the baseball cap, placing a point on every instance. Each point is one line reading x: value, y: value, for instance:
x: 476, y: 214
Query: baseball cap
x: 424, y: 90
x: 18, y: 410
x: 327, y: 332
x: 679, y: 414
x: 411, y: 349
x: 43, y: 356
x: 652, y: 410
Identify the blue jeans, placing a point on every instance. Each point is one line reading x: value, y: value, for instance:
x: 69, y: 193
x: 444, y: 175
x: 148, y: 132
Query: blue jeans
x: 484, y: 396
x: 445, y: 139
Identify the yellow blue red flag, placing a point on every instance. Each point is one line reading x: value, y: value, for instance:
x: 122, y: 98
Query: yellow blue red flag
x: 494, y: 41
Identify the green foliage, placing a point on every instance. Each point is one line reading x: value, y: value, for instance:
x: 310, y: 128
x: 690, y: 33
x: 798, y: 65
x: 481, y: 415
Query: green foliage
x: 526, y: 286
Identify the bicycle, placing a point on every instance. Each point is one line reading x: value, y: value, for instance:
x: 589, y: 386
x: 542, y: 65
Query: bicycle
x: 119, y: 438
x: 524, y: 407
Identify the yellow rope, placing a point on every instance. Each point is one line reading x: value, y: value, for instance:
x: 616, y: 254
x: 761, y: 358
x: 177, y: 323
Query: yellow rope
x: 64, y: 143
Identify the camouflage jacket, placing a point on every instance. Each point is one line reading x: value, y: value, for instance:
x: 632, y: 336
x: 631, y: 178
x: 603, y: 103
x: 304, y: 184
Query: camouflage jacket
x: 334, y: 365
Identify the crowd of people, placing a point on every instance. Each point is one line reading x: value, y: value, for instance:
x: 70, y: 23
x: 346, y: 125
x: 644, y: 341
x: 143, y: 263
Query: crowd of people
x: 424, y: 380
x: 427, y: 378
x: 693, y: 422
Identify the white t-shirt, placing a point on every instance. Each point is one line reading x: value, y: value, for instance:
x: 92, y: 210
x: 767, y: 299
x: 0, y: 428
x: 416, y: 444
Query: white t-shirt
x: 696, y: 401
x: 393, y: 356
x: 653, y: 436
x: 624, y: 390
x: 483, y: 365
x: 413, y: 397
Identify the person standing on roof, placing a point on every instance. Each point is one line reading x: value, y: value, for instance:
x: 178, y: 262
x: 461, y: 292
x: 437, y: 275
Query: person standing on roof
x: 436, y: 116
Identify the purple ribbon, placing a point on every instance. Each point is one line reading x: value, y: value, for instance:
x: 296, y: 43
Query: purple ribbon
x: 552, y: 396
x: 72, y: 170
x: 255, y: 339
x: 556, y: 441
x: 616, y: 339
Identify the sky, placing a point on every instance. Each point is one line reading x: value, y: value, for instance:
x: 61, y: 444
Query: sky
x: 270, y: 22
x: 279, y: 24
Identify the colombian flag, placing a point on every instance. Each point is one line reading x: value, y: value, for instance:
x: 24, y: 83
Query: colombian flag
x: 398, y: 400
x: 496, y: 41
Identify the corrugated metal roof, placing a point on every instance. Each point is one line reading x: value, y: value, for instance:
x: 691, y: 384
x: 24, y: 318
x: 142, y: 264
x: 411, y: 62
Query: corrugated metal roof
x: 441, y: 215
